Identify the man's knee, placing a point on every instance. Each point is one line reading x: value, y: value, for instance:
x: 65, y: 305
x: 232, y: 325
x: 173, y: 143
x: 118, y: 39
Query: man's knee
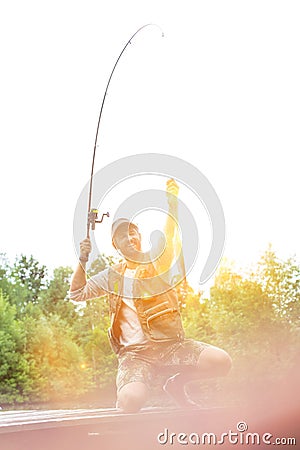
x: 224, y: 362
x: 215, y: 360
x: 132, y: 397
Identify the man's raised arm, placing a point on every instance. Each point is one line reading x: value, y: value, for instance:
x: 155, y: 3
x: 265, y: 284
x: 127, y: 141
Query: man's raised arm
x: 163, y: 263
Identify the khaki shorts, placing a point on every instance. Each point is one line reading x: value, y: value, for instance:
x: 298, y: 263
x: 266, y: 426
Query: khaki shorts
x: 144, y: 362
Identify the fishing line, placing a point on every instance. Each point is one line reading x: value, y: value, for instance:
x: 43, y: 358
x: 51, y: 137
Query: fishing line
x: 93, y: 212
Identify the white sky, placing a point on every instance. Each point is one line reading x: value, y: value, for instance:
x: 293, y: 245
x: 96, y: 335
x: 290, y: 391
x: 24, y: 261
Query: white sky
x: 221, y: 90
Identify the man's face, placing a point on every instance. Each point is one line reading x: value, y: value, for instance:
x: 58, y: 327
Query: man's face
x: 128, y: 242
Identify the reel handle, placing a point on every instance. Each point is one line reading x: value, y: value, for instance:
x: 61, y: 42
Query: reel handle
x: 93, y: 219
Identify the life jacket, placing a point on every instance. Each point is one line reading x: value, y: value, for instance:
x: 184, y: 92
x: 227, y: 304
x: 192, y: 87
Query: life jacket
x: 155, y: 301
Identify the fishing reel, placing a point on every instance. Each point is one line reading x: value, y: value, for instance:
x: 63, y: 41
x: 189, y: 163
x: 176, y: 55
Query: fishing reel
x: 93, y: 216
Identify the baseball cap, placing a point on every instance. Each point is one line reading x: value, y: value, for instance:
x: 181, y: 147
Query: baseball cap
x: 121, y: 222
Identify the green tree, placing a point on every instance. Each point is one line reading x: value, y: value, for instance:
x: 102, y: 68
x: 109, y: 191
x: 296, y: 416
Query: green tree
x: 15, y: 293
x: 54, y: 296
x: 239, y: 308
x: 92, y: 331
x: 29, y: 273
x: 246, y: 314
x: 280, y: 280
x: 92, y: 337
x: 195, y: 314
x: 5, y: 284
x: 15, y: 383
x: 56, y: 361
x: 101, y: 263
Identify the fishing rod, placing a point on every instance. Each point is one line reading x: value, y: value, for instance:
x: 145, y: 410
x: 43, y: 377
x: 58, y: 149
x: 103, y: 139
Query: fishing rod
x: 92, y: 216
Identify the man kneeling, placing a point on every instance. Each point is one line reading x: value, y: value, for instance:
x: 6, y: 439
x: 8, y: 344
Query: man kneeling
x: 146, y: 330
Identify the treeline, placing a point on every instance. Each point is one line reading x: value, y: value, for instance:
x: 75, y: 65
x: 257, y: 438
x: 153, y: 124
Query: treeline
x: 255, y: 316
x: 51, y: 349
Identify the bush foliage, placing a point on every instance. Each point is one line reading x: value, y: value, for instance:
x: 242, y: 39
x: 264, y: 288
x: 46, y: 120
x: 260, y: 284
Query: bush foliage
x: 51, y: 349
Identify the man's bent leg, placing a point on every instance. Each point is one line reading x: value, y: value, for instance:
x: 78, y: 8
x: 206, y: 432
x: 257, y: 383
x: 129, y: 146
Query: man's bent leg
x: 195, y: 361
x: 213, y: 362
x: 133, y: 378
x: 132, y: 396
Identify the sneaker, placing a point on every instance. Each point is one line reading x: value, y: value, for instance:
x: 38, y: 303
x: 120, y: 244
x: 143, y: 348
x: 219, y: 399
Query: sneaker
x: 174, y: 387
